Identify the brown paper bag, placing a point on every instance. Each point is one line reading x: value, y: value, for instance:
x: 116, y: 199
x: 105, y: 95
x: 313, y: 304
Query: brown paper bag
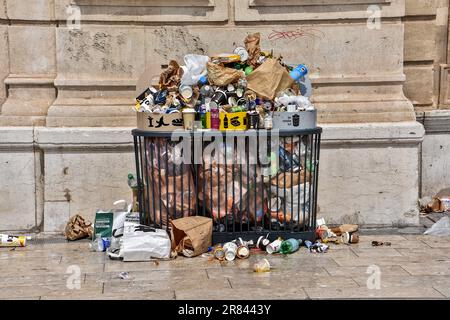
x: 252, y: 45
x: 222, y: 76
x: 191, y: 236
x: 269, y: 79
x: 78, y: 228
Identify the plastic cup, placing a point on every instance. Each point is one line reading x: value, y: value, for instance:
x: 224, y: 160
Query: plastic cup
x: 262, y: 266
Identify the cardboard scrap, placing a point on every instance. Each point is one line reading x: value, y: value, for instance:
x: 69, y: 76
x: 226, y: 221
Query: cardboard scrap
x: 269, y: 79
x: 191, y: 236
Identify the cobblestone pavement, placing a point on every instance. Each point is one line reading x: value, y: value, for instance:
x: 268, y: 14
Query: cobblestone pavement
x: 414, y: 266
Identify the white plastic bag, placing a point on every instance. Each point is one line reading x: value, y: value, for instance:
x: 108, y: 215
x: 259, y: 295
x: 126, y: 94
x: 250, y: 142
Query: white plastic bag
x: 194, y: 69
x: 142, y: 243
x: 440, y: 228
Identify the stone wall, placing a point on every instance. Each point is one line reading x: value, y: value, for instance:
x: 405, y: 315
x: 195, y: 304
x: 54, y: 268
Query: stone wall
x: 427, y: 85
x: 67, y: 96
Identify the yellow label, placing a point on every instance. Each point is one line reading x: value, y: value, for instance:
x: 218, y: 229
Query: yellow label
x: 233, y: 121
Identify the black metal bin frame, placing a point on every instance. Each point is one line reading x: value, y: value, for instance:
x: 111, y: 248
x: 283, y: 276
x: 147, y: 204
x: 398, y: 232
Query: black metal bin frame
x: 279, y: 202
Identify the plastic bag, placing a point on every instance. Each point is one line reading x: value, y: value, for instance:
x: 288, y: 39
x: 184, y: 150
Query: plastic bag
x: 440, y: 228
x: 169, y: 186
x: 194, y: 69
x: 142, y: 243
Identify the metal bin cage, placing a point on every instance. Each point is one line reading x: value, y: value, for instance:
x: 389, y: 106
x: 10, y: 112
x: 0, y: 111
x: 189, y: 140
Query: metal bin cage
x: 251, y: 183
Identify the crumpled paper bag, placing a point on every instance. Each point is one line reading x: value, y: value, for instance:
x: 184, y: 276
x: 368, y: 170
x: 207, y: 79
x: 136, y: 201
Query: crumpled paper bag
x: 191, y: 236
x: 269, y: 79
x: 171, y: 77
x: 78, y: 228
x: 221, y: 76
x: 252, y: 45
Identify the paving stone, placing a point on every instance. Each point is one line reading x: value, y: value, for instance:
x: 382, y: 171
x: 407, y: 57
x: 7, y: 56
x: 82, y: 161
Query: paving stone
x: 365, y: 293
x: 60, y: 290
x: 268, y: 281
x: 159, y: 295
x: 162, y: 285
x: 361, y: 270
x: 445, y: 290
x: 406, y: 281
x: 426, y: 268
x: 376, y: 252
x: 241, y: 294
x: 377, y: 260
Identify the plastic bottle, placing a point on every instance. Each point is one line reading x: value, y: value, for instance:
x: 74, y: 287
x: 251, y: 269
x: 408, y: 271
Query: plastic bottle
x: 132, y: 183
x: 290, y: 246
x: 215, y: 120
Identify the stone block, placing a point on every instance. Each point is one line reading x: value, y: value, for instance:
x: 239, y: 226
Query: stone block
x: 88, y: 171
x: 4, y: 60
x: 424, y: 7
x: 33, y: 49
x: 56, y: 215
x: 272, y: 10
x: 17, y: 183
x: 380, y: 190
x: 420, y: 84
x: 147, y: 11
x: 435, y: 160
x: 42, y: 10
x: 420, y: 40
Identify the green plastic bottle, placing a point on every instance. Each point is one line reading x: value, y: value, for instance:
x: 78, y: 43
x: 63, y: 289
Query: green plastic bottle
x: 290, y: 246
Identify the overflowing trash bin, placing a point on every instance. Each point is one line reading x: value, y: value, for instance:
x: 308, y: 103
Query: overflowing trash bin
x: 233, y: 137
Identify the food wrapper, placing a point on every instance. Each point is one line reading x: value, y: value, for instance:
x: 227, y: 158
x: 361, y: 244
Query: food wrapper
x: 269, y: 79
x: 222, y: 76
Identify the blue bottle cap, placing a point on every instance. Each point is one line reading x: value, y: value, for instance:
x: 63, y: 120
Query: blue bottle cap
x: 203, y: 80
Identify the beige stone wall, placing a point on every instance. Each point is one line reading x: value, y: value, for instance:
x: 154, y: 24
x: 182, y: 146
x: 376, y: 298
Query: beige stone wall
x: 357, y: 71
x: 426, y: 28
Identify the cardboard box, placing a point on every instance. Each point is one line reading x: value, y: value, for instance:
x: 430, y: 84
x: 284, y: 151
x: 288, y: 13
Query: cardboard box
x: 159, y: 121
x: 295, y: 120
x: 233, y: 121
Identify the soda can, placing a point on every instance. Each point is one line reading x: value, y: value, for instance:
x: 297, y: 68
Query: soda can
x: 253, y: 120
x: 274, y: 247
x: 230, y: 250
x: 262, y: 243
x: 219, y: 253
x: 348, y: 237
x: 243, y: 252
x: 308, y: 244
x: 242, y: 52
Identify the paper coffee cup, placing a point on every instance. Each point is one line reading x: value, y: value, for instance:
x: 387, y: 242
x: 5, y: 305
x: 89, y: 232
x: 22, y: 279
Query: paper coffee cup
x: 274, y: 247
x: 188, y: 118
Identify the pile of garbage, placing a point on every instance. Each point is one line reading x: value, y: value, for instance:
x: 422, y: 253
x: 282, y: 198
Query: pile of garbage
x: 246, y: 89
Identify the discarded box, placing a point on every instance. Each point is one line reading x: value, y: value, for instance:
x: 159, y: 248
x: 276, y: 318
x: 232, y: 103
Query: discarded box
x: 147, y: 121
x: 233, y: 121
x: 295, y: 120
